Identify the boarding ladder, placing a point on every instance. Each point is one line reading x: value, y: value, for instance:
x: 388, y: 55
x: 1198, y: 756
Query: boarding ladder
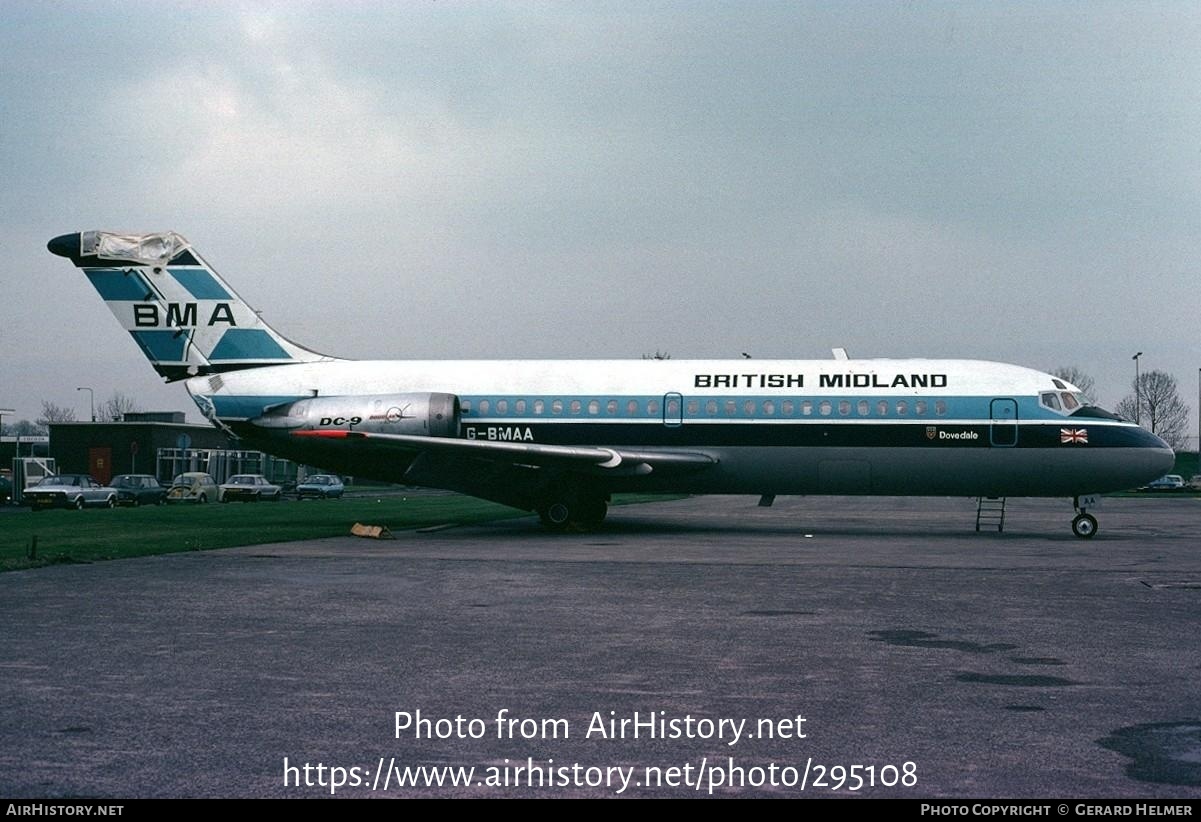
x: 990, y: 511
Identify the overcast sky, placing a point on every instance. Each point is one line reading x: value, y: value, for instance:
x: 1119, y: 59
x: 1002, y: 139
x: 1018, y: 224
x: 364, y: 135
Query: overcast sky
x: 1008, y: 181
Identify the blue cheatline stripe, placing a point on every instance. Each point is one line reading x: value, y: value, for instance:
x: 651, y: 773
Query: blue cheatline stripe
x: 247, y: 344
x: 161, y: 346
x: 199, y: 283
x: 115, y: 284
x: 957, y: 408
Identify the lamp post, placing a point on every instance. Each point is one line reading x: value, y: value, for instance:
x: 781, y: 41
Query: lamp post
x: 1138, y: 393
x: 92, y: 400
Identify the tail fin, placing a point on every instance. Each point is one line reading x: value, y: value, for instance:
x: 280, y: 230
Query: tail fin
x: 185, y: 318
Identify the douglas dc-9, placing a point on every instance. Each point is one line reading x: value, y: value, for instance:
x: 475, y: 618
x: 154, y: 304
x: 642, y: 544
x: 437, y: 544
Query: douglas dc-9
x: 560, y: 436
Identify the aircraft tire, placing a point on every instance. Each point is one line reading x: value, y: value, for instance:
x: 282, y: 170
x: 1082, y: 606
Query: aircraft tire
x: 573, y: 513
x: 1084, y: 526
x: 556, y: 515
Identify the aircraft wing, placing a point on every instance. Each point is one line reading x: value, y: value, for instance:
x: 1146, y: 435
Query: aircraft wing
x: 597, y: 460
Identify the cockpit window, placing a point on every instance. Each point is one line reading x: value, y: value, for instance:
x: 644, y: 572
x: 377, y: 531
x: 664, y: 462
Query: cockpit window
x: 1070, y: 403
x: 1058, y: 383
x: 1050, y: 400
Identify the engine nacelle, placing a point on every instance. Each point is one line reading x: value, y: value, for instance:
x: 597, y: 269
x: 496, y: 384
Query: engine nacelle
x: 428, y: 415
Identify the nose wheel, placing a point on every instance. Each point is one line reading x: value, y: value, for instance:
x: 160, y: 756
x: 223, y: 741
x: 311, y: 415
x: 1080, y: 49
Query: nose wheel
x: 1085, y: 524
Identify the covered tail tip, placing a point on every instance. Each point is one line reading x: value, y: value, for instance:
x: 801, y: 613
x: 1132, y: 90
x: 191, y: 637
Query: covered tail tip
x: 65, y: 245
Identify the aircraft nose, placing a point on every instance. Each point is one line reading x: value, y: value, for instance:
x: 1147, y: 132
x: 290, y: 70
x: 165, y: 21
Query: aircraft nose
x: 65, y: 245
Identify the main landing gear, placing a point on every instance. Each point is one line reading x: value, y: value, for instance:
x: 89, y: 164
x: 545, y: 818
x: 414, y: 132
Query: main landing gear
x: 571, y: 509
x: 1085, y: 524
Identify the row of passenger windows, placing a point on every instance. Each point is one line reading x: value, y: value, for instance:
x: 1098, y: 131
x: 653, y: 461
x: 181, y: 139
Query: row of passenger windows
x: 710, y: 408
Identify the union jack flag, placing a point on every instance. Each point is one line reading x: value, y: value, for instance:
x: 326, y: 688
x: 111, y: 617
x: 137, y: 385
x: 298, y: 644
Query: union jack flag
x: 1075, y: 436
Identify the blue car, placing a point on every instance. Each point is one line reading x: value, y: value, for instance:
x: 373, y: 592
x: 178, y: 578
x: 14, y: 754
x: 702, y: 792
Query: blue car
x: 320, y: 486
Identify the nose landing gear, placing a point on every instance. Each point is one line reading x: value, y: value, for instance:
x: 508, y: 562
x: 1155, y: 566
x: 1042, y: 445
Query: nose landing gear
x: 1085, y: 524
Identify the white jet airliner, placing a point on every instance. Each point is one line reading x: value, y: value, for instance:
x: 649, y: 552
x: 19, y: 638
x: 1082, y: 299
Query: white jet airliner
x: 559, y: 437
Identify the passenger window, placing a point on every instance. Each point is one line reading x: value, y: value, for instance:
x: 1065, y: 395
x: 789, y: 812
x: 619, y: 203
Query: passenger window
x: 519, y: 406
x: 502, y: 406
x: 484, y: 406
x: 652, y: 408
x: 672, y: 408
x: 882, y: 408
x: 594, y: 407
x: 806, y: 408
x: 769, y: 408
x: 920, y: 408
x: 556, y: 406
x: 864, y: 408
x: 824, y: 408
x: 787, y: 408
x: 711, y: 408
x: 844, y: 407
x: 632, y: 408
x: 748, y: 408
x: 940, y: 408
x: 731, y: 408
x: 611, y: 407
x: 693, y: 408
x: 902, y: 408
x: 576, y: 405
x: 465, y: 406
x: 539, y: 406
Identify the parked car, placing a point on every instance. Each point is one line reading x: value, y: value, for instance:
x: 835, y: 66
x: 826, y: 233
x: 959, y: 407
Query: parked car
x: 321, y: 486
x: 69, y: 491
x: 1168, y: 482
x: 193, y: 486
x: 1194, y: 482
x: 138, y: 489
x: 250, y: 488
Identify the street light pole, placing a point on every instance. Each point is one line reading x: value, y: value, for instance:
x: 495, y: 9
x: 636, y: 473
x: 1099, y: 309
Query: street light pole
x: 1138, y: 393
x: 91, y: 400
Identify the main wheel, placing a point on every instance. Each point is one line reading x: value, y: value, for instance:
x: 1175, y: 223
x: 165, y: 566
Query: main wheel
x: 555, y: 515
x: 1084, y: 526
x: 581, y: 512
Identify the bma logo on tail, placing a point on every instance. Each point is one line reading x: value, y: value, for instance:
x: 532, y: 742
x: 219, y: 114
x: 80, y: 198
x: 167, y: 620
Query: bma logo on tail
x: 180, y: 315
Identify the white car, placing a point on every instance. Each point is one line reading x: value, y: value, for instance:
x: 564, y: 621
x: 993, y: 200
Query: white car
x: 69, y: 491
x: 1168, y: 482
x: 250, y: 488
